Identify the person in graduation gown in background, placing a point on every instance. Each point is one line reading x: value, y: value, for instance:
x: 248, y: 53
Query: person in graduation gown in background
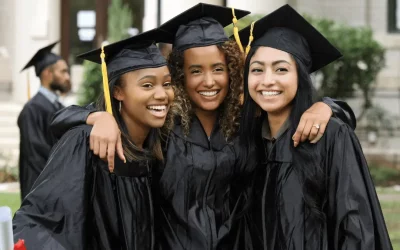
x: 76, y: 203
x: 314, y: 196
x: 34, y: 120
x: 203, y: 179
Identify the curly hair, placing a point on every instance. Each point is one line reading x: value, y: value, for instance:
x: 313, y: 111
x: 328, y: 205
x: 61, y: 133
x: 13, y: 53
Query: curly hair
x: 230, y: 108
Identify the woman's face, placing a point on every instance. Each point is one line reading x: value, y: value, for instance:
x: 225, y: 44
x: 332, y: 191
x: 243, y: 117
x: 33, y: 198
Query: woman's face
x: 206, y: 77
x: 146, y: 96
x: 272, y: 80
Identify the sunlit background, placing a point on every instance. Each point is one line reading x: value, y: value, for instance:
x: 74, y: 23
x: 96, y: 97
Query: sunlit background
x: 368, y: 77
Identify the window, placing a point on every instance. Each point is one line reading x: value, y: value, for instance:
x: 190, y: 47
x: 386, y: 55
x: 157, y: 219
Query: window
x: 394, y: 16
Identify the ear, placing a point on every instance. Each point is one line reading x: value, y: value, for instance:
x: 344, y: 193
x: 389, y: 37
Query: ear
x: 118, y: 93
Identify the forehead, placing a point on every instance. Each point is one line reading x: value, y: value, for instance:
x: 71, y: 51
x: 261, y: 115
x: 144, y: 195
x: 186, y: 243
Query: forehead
x: 268, y: 54
x: 61, y: 64
x: 157, y: 72
x: 204, y: 55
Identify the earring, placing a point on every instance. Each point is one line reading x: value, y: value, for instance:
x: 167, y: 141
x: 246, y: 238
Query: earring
x: 119, y: 108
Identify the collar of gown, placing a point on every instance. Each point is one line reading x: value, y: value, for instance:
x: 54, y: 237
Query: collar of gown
x: 198, y: 136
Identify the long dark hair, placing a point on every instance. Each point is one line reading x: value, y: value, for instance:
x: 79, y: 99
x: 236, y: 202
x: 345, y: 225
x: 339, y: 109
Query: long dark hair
x: 305, y: 158
x: 152, y: 149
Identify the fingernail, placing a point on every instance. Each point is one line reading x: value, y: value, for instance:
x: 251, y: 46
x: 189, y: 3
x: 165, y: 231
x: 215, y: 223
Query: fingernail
x: 313, y: 142
x: 124, y: 160
x: 293, y: 137
x: 295, y: 144
x: 111, y: 170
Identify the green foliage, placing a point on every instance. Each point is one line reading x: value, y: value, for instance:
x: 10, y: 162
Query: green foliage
x: 358, y: 68
x: 119, y: 20
x: 91, y: 87
x: 383, y: 175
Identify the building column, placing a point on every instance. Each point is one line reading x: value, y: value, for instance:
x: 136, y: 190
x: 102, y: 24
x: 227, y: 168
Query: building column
x: 37, y: 24
x: 150, y: 14
x: 257, y: 6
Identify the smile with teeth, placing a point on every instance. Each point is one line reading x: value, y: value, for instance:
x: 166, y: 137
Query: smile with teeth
x: 208, y: 93
x: 157, y: 108
x: 271, y: 93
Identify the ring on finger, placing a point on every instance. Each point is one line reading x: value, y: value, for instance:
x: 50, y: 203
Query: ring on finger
x: 316, y: 126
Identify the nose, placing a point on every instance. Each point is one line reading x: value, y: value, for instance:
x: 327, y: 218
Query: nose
x: 209, y: 81
x: 269, y: 78
x: 160, y: 93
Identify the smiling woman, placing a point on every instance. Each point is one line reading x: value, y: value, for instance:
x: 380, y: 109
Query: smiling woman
x: 81, y: 204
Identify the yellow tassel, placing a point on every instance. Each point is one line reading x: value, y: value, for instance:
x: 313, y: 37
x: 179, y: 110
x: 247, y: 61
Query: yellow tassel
x: 236, y: 30
x: 251, y: 38
x: 105, y: 81
x: 28, y: 86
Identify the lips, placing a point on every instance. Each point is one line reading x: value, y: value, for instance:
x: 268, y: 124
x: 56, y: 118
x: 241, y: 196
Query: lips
x: 157, y: 107
x: 209, y: 93
x: 271, y: 93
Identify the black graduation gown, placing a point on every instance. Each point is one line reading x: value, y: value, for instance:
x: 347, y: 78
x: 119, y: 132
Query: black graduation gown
x: 353, y: 216
x: 202, y: 191
x: 36, y: 140
x: 76, y: 203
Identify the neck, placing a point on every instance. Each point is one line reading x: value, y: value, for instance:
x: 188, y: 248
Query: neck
x: 137, y: 132
x: 207, y: 120
x: 277, y: 119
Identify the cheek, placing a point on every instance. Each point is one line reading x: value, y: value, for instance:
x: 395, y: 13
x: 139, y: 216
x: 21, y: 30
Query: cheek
x: 252, y: 85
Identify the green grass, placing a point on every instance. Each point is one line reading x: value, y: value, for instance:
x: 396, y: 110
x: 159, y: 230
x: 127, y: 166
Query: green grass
x: 11, y: 200
x: 391, y: 211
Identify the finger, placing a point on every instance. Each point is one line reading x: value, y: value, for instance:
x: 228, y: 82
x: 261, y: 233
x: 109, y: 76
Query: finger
x: 313, y: 132
x: 110, y: 156
x: 96, y: 147
x: 306, y: 131
x: 297, y: 135
x: 91, y: 142
x: 103, y: 149
x: 120, y: 149
x: 321, y: 132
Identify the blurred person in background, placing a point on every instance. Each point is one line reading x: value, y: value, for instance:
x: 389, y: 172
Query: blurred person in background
x: 36, y: 140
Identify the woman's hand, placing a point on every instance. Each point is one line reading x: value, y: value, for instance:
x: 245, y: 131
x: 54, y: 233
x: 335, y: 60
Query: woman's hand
x: 312, y: 124
x: 105, y: 137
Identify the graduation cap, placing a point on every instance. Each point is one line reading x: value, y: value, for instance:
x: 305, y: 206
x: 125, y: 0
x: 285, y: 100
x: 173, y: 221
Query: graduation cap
x: 41, y: 60
x: 200, y: 26
x: 127, y: 55
x: 287, y: 30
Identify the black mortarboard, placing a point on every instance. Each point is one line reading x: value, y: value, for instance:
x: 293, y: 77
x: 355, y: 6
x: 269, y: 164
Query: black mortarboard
x: 287, y: 30
x: 42, y: 59
x: 131, y: 54
x: 202, y: 25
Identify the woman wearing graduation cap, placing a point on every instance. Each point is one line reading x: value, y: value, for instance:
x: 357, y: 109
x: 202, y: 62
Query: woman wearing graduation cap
x: 203, y: 182
x: 76, y: 203
x: 314, y: 196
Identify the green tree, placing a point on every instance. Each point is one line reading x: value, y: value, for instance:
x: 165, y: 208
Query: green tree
x: 119, y: 20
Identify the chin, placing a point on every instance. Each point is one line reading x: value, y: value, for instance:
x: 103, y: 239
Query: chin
x: 157, y: 124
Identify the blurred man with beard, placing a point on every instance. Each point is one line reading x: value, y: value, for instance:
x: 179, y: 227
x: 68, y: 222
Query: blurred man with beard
x: 34, y: 120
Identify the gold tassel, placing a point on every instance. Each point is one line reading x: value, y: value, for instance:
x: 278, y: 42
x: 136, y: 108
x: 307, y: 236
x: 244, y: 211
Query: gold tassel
x: 106, y: 88
x: 251, y: 38
x: 236, y: 31
x: 28, y: 86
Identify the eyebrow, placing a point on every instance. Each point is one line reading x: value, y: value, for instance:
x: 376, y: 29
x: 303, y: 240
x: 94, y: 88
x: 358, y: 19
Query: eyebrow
x: 213, y: 65
x: 148, y: 76
x: 273, y: 64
